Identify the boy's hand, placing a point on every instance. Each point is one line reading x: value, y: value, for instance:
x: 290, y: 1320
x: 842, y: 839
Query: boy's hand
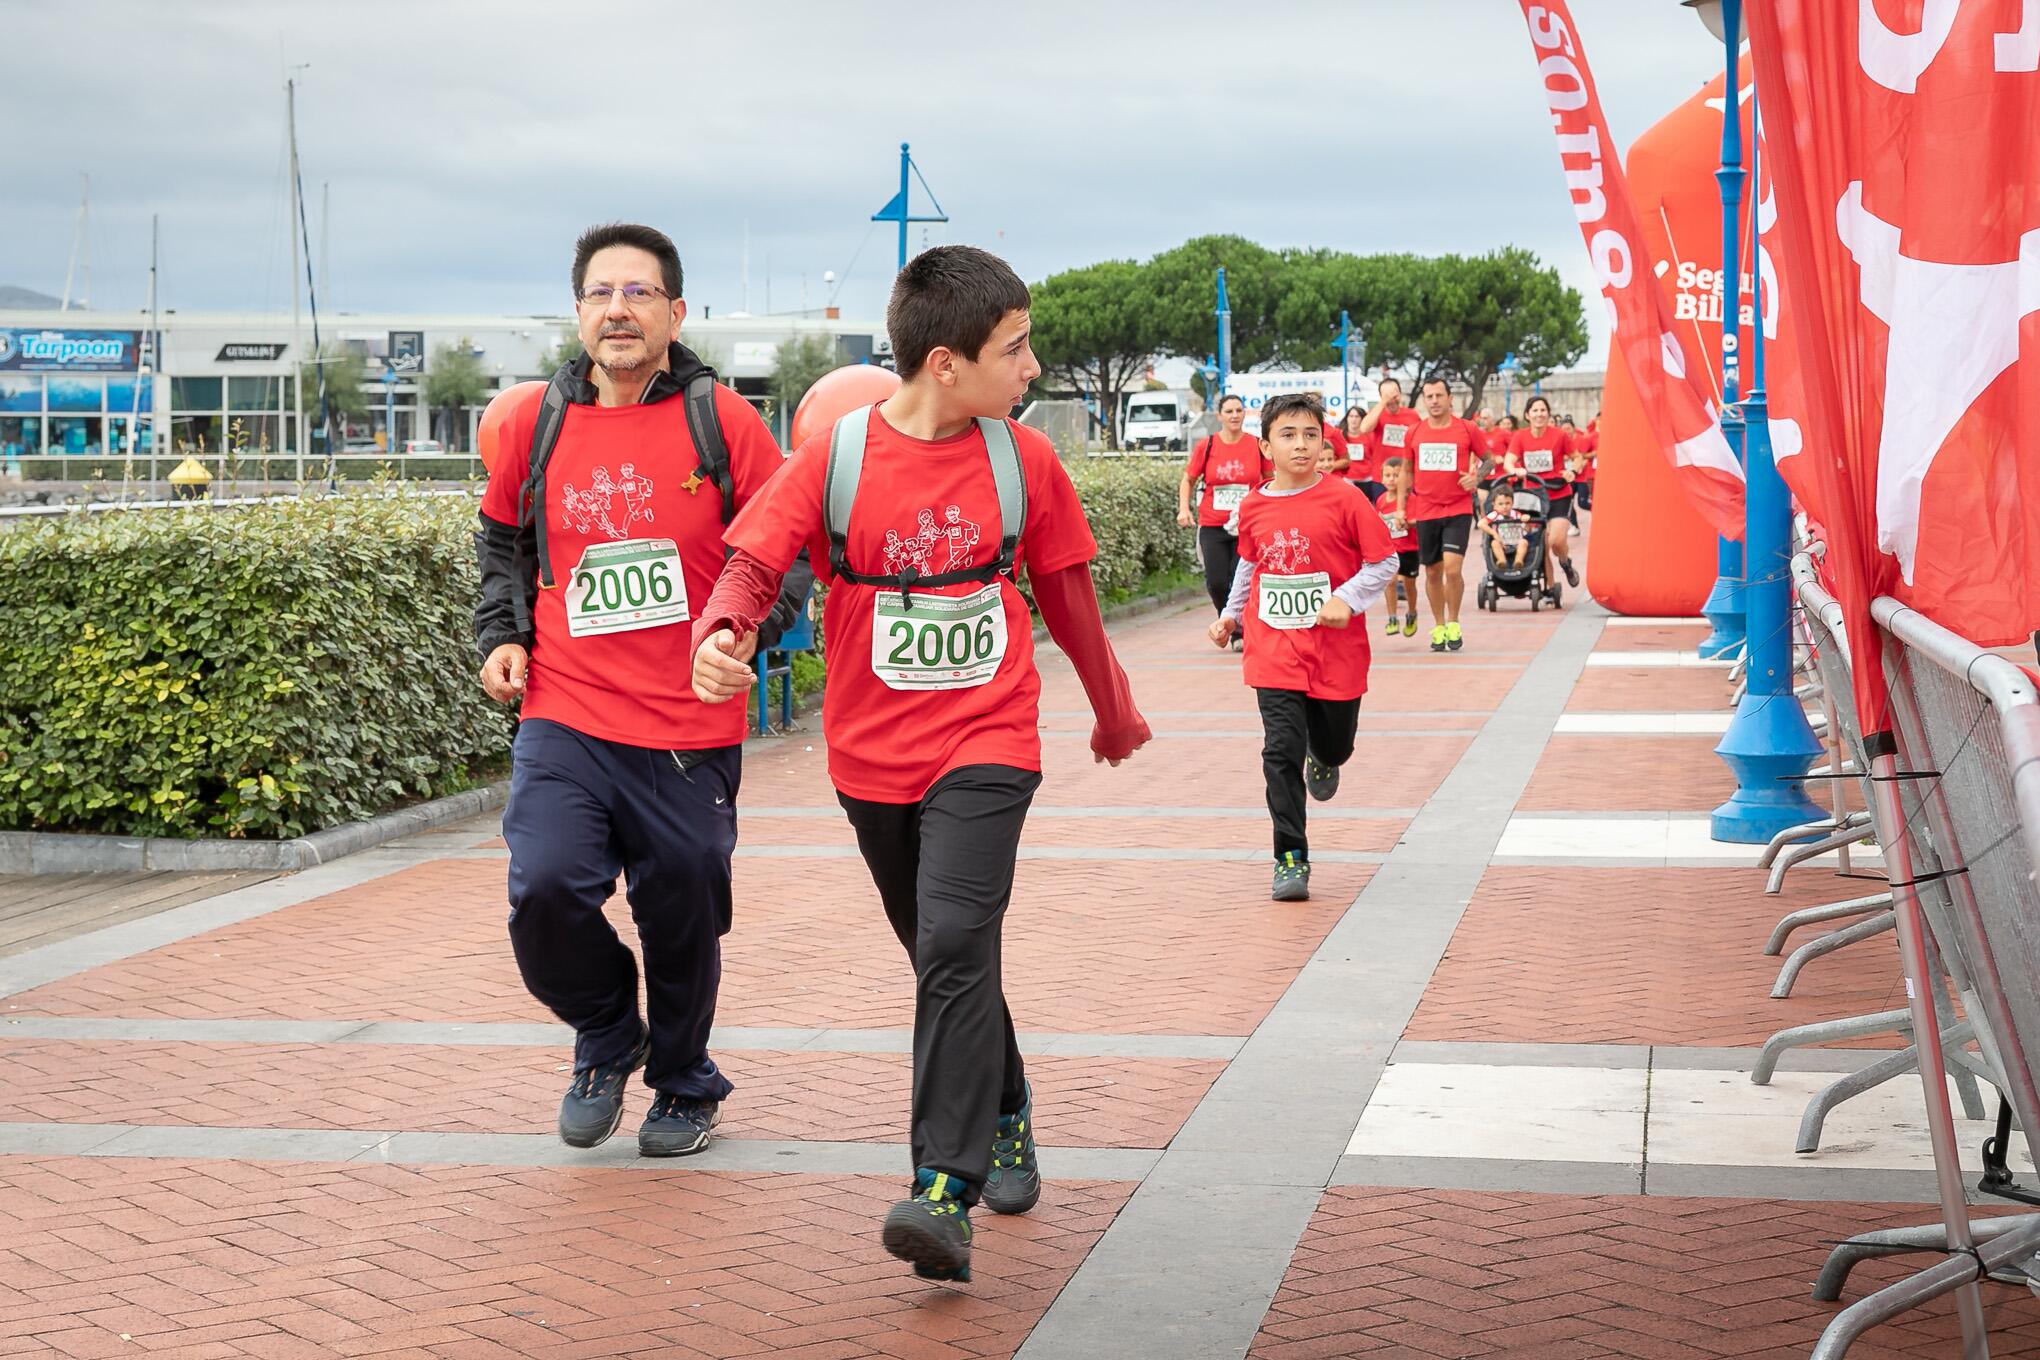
x: 1221, y: 631
x: 1336, y: 614
x: 722, y: 666
x: 1109, y: 748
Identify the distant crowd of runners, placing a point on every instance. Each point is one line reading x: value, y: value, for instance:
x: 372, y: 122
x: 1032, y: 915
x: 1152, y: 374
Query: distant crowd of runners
x: 623, y: 618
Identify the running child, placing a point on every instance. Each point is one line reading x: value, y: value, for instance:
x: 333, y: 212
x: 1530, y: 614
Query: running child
x: 1393, y: 503
x: 933, y: 697
x: 1313, y: 556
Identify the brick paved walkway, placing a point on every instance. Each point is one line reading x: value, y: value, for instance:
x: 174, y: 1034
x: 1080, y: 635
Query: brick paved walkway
x: 1448, y: 1108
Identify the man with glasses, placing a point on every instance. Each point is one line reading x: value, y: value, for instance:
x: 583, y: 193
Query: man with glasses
x: 617, y: 767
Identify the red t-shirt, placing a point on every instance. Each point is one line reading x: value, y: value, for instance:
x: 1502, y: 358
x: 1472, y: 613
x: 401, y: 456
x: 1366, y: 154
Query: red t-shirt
x: 1385, y: 503
x: 1360, y: 450
x: 619, y: 476
x: 1588, y: 442
x: 1389, y: 438
x: 1222, y: 464
x: 932, y: 505
x: 1441, y: 458
x: 1330, y: 531
x: 1543, y: 456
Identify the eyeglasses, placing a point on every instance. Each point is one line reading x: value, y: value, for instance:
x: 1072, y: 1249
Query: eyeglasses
x: 634, y: 294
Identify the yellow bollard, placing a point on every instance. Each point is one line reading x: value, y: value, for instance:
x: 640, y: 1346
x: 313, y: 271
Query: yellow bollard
x: 189, y: 479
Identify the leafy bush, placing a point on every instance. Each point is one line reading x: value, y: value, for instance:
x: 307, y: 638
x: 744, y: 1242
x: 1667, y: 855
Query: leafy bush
x: 261, y: 671
x: 1132, y: 507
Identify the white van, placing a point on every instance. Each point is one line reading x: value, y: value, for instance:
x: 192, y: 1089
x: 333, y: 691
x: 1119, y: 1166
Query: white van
x: 1155, y: 420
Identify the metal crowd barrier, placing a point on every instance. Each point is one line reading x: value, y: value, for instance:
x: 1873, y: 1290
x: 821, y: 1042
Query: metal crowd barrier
x: 1959, y: 812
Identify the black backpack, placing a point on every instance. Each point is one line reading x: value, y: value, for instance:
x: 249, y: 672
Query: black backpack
x: 705, y: 428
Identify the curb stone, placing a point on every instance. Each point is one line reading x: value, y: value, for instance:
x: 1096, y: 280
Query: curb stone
x: 52, y: 852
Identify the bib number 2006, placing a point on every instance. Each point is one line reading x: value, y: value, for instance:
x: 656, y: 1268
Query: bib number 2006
x: 939, y: 641
x: 1293, y: 602
x: 621, y: 587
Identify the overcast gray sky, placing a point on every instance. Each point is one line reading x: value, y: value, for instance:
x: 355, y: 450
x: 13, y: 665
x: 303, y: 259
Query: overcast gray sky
x: 466, y: 143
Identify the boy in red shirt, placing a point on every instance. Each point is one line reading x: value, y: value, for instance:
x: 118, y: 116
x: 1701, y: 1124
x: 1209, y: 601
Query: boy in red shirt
x: 1313, y: 556
x: 1393, y: 503
x: 931, y: 712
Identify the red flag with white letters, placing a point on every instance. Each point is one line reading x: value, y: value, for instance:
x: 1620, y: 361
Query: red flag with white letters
x: 1681, y: 413
x: 1906, y: 137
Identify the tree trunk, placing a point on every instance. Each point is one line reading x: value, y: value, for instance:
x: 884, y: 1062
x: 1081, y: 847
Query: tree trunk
x: 1477, y: 386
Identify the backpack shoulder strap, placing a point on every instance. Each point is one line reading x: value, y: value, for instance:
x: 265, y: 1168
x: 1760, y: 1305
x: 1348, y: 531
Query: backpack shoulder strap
x: 705, y: 427
x: 1011, y: 481
x: 552, y: 413
x: 839, y: 484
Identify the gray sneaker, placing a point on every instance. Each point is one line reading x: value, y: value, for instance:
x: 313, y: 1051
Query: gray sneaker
x: 593, y: 1105
x: 1320, y: 779
x: 678, y: 1126
x: 1292, y: 878
x: 1014, y: 1183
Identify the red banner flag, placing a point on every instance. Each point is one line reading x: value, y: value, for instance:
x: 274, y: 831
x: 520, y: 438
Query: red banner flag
x: 1908, y: 158
x: 1681, y: 414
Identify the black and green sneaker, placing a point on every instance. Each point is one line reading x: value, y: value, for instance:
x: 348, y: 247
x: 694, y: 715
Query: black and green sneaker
x: 1321, y: 779
x: 1292, y: 878
x: 932, y: 1230
x: 1014, y: 1185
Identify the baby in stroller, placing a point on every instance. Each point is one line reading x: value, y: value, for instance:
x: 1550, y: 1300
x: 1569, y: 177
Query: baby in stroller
x: 1512, y: 530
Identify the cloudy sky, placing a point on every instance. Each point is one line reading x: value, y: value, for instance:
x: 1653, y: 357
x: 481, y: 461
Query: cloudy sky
x: 466, y: 143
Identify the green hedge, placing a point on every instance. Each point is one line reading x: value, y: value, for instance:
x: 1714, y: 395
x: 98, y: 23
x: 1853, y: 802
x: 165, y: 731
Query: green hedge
x: 261, y: 671
x: 1131, y: 503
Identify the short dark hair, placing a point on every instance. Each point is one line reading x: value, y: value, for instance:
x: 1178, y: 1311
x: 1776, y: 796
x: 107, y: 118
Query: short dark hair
x: 949, y: 297
x: 1232, y: 396
x: 1287, y: 403
x: 648, y: 239
x: 1425, y: 385
x: 1397, y: 462
x: 1386, y: 381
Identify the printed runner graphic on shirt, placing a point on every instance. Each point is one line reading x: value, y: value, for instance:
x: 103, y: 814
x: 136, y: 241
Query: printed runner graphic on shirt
x: 1286, y: 551
x: 954, y: 533
x: 597, y: 506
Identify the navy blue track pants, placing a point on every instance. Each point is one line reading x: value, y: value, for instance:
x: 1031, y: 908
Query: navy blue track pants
x: 583, y: 810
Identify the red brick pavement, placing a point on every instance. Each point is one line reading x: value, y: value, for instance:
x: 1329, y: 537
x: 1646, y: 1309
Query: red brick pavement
x: 1650, y: 689
x: 1430, y: 1273
x: 1378, y: 834
x: 1628, y: 774
x: 843, y: 1097
x: 1641, y: 956
x: 285, y: 1260
x: 810, y: 947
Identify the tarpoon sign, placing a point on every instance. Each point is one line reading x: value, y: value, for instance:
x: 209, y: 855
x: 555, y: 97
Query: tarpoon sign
x: 39, y: 350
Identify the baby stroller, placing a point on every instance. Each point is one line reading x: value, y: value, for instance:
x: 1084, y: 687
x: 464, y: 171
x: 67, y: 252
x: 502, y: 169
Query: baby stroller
x: 1526, y: 581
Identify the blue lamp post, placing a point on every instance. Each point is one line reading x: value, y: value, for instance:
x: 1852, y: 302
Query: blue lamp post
x: 1224, y: 334
x: 1724, y: 607
x: 1769, y: 745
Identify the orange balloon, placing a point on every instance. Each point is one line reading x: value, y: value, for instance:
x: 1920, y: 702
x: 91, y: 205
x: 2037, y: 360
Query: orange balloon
x: 837, y: 394
x: 501, y: 407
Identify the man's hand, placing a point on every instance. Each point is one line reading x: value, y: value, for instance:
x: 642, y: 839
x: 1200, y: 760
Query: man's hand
x: 1221, y: 631
x: 1184, y: 519
x: 503, y: 672
x: 722, y: 666
x: 1336, y: 614
x: 1469, y: 481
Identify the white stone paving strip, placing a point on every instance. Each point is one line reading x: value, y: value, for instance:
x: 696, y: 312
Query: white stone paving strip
x: 1643, y: 724
x: 1622, y: 658
x: 1577, y: 1114
x: 1659, y: 838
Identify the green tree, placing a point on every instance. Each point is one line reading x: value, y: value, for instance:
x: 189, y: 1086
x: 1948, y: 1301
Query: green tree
x: 1457, y: 318
x: 1093, y: 329
x: 453, y: 380
x: 798, y: 364
x: 345, y: 376
x: 1183, y: 295
x: 566, y: 351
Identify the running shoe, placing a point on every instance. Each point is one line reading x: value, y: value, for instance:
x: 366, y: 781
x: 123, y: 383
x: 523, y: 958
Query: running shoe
x: 593, y: 1105
x: 1292, y: 878
x: 1014, y: 1184
x: 1452, y: 638
x: 1321, y: 779
x: 1393, y: 626
x: 1438, y: 638
x: 678, y: 1126
x: 1572, y: 576
x: 931, y: 1229
x: 1409, y: 625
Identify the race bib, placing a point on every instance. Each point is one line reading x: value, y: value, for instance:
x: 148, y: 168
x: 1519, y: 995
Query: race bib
x: 1398, y: 527
x: 1228, y: 498
x: 939, y: 641
x: 622, y: 587
x: 1393, y: 435
x: 1537, y: 460
x: 1510, y: 531
x: 1292, y: 602
x: 1437, y: 458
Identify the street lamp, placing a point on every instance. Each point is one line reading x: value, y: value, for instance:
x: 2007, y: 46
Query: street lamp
x: 1769, y: 745
x: 1725, y: 607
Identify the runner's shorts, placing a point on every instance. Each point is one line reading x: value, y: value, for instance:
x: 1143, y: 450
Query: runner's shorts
x: 1436, y: 537
x: 1406, y: 563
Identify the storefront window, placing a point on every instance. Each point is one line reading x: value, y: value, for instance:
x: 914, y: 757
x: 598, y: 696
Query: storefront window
x: 125, y: 396
x: 195, y: 434
x: 77, y: 394
x: 257, y: 394
x: 20, y: 436
x: 75, y: 434
x: 20, y: 392
x: 195, y: 394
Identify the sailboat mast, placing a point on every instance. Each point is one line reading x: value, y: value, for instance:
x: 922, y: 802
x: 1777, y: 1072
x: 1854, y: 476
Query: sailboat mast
x: 81, y: 249
x: 297, y: 337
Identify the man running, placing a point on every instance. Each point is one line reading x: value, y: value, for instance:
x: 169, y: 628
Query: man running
x: 932, y: 706
x: 1450, y: 460
x: 617, y: 768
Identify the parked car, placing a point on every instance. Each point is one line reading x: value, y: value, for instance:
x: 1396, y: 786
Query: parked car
x: 1155, y: 420
x: 430, y: 448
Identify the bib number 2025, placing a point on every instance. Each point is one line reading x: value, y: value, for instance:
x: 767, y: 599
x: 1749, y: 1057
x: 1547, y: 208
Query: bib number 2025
x: 938, y: 641
x: 1293, y: 602
x: 621, y: 587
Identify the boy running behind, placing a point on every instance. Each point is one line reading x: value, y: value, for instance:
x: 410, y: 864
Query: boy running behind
x: 932, y: 708
x: 1313, y: 554
x: 1393, y: 503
